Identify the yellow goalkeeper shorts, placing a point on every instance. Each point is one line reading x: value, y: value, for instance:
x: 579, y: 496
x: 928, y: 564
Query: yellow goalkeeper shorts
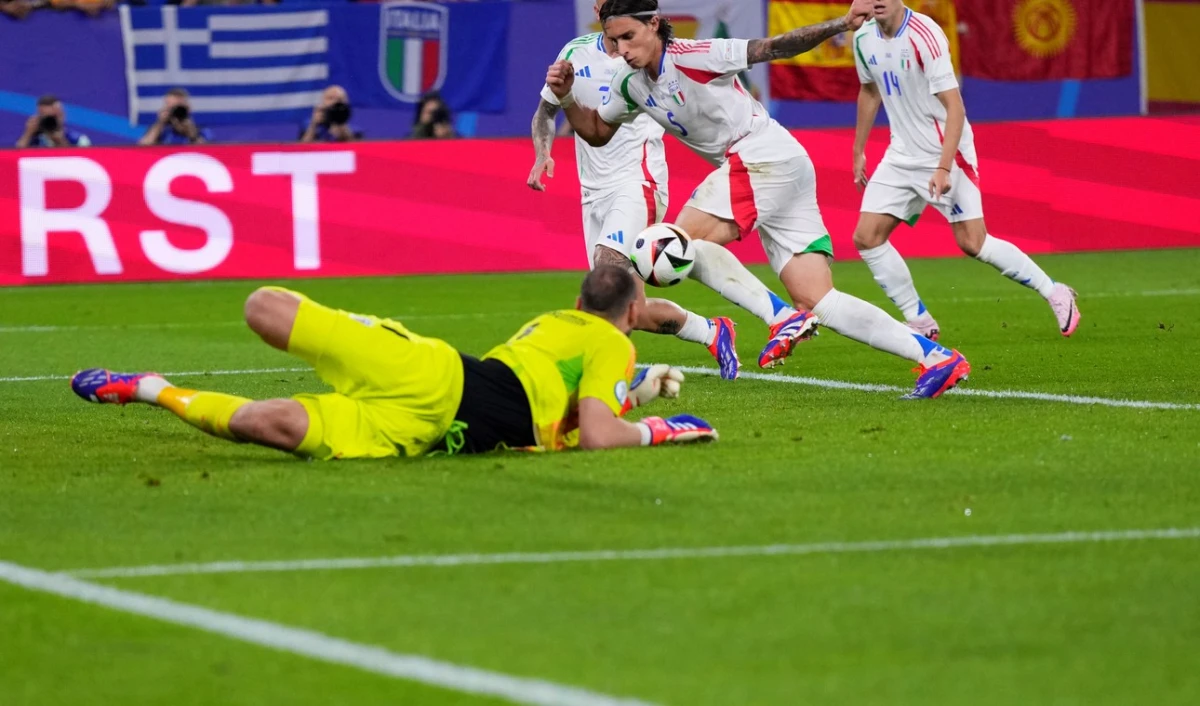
x: 395, y: 393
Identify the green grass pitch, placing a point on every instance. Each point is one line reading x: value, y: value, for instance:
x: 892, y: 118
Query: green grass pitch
x: 1117, y: 622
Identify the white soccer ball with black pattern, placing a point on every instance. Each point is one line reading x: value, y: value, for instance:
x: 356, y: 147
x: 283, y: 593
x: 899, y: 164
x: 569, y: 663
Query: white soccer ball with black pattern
x: 663, y: 255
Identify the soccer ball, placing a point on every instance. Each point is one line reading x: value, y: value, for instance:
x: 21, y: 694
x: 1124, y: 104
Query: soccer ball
x: 663, y: 255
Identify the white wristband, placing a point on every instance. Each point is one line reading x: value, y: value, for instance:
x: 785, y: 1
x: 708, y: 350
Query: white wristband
x: 647, y: 435
x: 566, y: 101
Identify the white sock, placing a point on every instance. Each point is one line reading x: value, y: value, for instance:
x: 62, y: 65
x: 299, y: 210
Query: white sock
x: 892, y: 275
x: 719, y: 270
x: 697, y: 330
x: 148, y: 389
x: 1015, y: 265
x: 867, y: 323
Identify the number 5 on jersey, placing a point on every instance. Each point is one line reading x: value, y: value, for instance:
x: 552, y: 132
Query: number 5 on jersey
x: 671, y: 119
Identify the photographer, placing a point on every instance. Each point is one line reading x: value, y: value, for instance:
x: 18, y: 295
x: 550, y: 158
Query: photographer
x: 330, y: 118
x: 175, y: 125
x: 432, y: 119
x: 48, y: 127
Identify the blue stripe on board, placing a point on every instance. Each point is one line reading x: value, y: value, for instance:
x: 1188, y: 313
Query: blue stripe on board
x: 82, y: 119
x: 1068, y: 98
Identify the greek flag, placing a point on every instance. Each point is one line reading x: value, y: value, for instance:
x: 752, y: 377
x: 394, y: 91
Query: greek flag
x: 240, y: 65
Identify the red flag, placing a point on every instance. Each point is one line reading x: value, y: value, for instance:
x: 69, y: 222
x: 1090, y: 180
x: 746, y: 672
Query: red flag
x: 1031, y: 40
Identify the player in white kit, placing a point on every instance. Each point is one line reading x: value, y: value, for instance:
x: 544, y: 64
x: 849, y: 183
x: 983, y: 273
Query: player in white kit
x: 764, y: 179
x: 624, y: 189
x: 904, y: 63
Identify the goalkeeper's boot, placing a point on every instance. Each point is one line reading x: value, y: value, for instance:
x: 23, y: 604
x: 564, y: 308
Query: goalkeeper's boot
x: 722, y: 347
x: 105, y: 386
x: 800, y: 326
x: 934, y: 380
x: 1062, y: 301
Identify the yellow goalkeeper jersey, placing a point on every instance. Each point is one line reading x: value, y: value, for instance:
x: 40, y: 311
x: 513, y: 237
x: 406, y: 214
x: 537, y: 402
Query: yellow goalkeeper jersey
x: 562, y: 357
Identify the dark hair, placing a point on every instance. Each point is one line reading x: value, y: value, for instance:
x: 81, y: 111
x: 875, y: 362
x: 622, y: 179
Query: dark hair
x: 430, y: 97
x: 619, y: 8
x: 177, y: 92
x: 48, y: 99
x: 607, y: 291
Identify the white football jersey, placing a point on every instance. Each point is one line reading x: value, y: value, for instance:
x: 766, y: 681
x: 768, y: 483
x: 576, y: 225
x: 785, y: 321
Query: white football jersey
x: 699, y: 99
x: 910, y: 69
x: 636, y: 152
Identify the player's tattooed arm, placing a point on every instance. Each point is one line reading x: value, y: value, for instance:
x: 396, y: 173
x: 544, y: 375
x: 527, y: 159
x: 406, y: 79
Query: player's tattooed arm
x: 543, y: 127
x: 608, y: 256
x: 798, y: 41
x: 543, y: 142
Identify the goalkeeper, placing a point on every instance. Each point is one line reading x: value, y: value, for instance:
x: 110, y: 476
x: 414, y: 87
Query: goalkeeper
x: 563, y: 380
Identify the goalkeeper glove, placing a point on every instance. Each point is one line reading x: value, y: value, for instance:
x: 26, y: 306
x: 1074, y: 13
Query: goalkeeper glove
x: 680, y: 429
x: 659, y: 380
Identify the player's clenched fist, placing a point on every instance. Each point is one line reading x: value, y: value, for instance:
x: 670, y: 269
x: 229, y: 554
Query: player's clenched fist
x: 860, y: 12
x: 560, y: 78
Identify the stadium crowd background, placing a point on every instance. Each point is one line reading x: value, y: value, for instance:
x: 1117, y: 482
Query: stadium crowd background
x: 88, y: 83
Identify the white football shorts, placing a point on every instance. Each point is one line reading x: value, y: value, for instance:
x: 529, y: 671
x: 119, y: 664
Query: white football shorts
x: 777, y: 198
x: 614, y: 219
x: 903, y: 192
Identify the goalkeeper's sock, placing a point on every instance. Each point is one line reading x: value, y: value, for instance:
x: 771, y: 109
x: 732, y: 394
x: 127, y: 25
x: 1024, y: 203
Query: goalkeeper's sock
x: 210, y: 412
x: 1015, y: 265
x: 867, y: 323
x: 892, y: 275
x: 719, y: 270
x: 149, y: 387
x: 697, y: 330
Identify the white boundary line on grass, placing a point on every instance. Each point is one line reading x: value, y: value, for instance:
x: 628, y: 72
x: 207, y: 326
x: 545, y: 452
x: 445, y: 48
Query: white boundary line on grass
x: 966, y: 391
x: 442, y: 560
x: 315, y: 645
x: 768, y: 377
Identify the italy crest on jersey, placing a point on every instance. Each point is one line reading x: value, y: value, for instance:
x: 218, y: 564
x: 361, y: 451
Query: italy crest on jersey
x: 676, y: 92
x: 412, y: 48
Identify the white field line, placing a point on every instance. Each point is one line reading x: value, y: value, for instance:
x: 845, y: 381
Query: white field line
x: 768, y: 377
x: 442, y: 560
x: 315, y: 645
x: 964, y: 391
x: 53, y: 328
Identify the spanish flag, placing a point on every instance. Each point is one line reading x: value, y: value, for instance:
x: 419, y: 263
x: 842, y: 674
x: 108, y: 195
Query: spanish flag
x: 827, y: 72
x: 1173, y: 54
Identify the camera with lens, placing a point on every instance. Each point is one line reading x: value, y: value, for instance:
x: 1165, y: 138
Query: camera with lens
x: 338, y: 113
x: 180, y: 112
x: 48, y: 123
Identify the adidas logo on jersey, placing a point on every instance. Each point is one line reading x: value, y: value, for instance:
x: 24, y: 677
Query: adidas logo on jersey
x: 873, y: 61
x: 618, y: 237
x: 585, y: 72
x: 650, y: 102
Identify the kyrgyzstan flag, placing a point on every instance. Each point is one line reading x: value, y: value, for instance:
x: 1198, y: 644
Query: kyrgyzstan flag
x: 827, y: 72
x: 1032, y: 40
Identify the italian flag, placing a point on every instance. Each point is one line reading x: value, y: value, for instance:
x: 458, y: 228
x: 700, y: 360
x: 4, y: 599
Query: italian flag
x: 412, y: 64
